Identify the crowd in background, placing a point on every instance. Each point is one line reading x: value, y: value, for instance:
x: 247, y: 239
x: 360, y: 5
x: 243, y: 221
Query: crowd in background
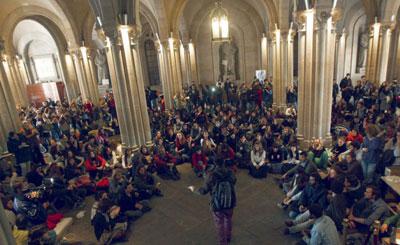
x: 73, y: 146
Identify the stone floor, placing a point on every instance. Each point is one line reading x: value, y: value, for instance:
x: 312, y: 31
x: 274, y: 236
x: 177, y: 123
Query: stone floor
x: 181, y: 217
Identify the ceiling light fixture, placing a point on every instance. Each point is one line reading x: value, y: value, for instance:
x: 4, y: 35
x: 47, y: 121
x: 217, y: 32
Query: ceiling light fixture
x: 219, y: 23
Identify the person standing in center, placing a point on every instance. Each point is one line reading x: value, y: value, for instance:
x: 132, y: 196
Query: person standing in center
x: 220, y: 183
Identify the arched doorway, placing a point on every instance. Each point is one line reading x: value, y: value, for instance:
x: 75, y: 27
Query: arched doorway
x: 42, y: 70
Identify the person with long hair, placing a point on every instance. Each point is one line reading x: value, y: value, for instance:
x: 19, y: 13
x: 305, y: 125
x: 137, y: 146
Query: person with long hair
x: 258, y: 167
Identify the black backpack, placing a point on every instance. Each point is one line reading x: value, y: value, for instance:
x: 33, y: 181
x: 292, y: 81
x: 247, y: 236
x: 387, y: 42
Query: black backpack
x: 223, y: 196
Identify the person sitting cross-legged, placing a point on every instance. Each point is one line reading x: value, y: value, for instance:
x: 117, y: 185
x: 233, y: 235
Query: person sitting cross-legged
x: 364, y: 212
x: 145, y: 184
x: 336, y: 210
x: 165, y: 164
x: 314, y: 192
x: 131, y: 207
x: 243, y: 149
x: 258, y: 167
x: 323, y: 231
x: 199, y: 162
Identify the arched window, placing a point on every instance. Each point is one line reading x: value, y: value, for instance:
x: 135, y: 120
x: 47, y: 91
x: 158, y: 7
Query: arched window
x: 152, y: 62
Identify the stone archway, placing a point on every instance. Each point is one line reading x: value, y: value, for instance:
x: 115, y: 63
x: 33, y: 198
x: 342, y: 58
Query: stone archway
x: 61, y: 32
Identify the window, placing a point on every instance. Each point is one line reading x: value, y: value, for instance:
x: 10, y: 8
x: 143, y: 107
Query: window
x: 45, y: 67
x: 152, y: 62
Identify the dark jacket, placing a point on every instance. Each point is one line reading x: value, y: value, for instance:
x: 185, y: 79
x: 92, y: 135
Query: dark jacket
x: 313, y: 195
x: 100, y: 223
x: 218, y: 175
x: 144, y: 182
x: 337, y: 210
x: 308, y: 166
x: 126, y: 202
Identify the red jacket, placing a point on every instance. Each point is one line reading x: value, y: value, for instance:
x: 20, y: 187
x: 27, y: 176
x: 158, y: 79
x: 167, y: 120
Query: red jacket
x: 229, y: 155
x: 161, y: 161
x: 196, y: 158
x: 88, y: 106
x: 178, y: 144
x: 357, y: 138
x: 92, y: 167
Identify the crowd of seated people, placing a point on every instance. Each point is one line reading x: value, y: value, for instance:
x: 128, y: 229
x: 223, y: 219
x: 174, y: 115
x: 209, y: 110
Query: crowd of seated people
x: 64, y: 153
x: 70, y: 144
x: 344, y: 180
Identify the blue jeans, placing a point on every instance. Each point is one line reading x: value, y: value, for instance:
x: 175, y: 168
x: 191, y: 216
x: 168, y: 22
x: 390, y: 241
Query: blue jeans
x: 368, y: 170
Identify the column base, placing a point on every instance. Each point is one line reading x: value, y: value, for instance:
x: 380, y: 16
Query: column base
x: 328, y: 141
x: 133, y: 148
x: 304, y: 144
x: 149, y: 143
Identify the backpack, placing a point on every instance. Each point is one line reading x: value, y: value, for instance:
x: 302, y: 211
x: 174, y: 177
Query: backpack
x: 223, y: 196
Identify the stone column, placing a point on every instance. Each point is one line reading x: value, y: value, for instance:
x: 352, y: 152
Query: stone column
x: 128, y: 89
x: 78, y: 69
x: 19, y: 81
x: 316, y: 39
x: 264, y: 53
x: 375, y: 41
x: 287, y: 38
x: 135, y: 80
x: 384, y: 58
x: 277, y: 84
x: 17, y: 91
x: 22, y: 71
x: 9, y: 120
x: 396, y: 64
x: 280, y: 68
x: 378, y: 52
x: 85, y: 75
x: 188, y: 63
x: 70, y: 77
x: 185, y: 64
x: 90, y: 78
x: 290, y: 39
x: 341, y: 55
x: 170, y: 70
x: 191, y: 52
x: 120, y: 91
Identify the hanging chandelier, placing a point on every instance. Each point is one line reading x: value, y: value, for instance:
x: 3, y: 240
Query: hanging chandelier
x: 219, y: 23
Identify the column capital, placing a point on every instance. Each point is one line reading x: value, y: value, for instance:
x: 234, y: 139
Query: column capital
x: 168, y: 44
x: 387, y: 26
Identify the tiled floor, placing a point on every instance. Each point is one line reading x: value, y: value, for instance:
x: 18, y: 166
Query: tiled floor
x: 181, y: 217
